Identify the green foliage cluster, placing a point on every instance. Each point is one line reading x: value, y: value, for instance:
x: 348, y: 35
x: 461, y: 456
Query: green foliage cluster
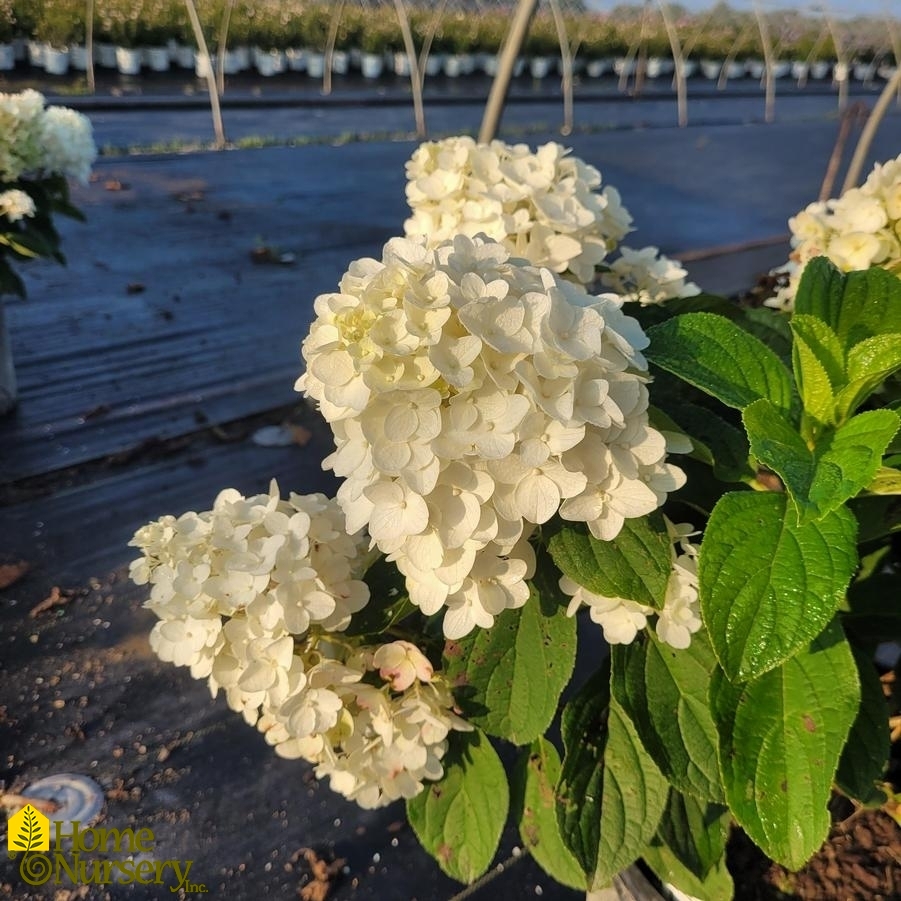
x: 795, y: 479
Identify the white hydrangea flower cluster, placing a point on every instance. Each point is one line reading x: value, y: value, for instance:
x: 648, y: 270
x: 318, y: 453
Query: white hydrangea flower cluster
x: 16, y: 205
x: 472, y: 397
x: 376, y: 743
x: 622, y: 619
x: 253, y: 596
x: 37, y: 142
x: 543, y: 206
x: 862, y: 228
x: 647, y: 277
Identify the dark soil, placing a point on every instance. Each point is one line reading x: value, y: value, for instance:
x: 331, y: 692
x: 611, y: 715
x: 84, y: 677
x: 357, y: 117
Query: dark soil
x: 861, y: 860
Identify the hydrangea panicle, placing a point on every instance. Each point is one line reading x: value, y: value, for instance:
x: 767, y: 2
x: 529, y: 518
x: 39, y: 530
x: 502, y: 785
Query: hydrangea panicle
x: 862, y: 228
x: 524, y: 396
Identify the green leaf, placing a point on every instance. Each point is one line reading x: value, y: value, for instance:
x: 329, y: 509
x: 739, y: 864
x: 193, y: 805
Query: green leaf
x: 610, y: 794
x: 664, y: 692
x: 847, y: 461
x: 886, y: 481
x: 535, y: 809
x: 818, y: 363
x: 870, y: 363
x: 717, y: 442
x: 865, y: 756
x: 459, y: 819
x: 635, y: 565
x: 508, y: 679
x: 855, y: 306
x: 671, y: 871
x: 869, y: 619
x: 776, y: 443
x: 780, y: 740
x: 695, y: 832
x: 768, y: 585
x: 720, y: 358
x: 770, y: 326
x: 879, y: 516
x: 842, y: 464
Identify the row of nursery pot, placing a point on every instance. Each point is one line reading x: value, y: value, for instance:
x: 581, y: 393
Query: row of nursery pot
x: 274, y: 61
x: 285, y: 24
x: 269, y: 62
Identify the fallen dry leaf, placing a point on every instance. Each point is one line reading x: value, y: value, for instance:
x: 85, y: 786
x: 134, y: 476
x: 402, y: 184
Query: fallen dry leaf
x: 323, y: 873
x: 10, y: 573
x: 113, y: 184
x: 57, y: 598
x: 300, y: 435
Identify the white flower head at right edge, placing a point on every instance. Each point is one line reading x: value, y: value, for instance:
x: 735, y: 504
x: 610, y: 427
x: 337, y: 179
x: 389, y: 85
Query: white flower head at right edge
x: 472, y: 397
x: 622, y: 619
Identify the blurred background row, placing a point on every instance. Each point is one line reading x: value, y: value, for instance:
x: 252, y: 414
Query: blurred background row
x: 453, y: 37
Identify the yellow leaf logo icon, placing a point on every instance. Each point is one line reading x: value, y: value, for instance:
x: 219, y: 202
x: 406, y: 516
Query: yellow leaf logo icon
x: 28, y: 830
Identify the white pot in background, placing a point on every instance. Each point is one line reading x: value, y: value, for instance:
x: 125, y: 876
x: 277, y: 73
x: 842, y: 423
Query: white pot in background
x: 231, y: 62
x: 434, y: 64
x: 128, y: 60
x: 78, y: 58
x: 156, y: 58
x: 781, y: 68
x: 658, y: 66
x: 467, y: 63
x: 539, y: 66
x: 595, y: 68
x: 372, y: 64
x: 864, y: 71
x: 886, y: 72
x: 400, y: 63
x: 735, y: 69
x: 184, y: 56
x: 688, y: 68
x: 56, y: 60
x: 36, y: 54
x: 7, y: 57
x: 799, y: 70
x: 243, y: 57
x: 623, y: 66
x: 453, y: 65
x: 489, y: 65
x: 296, y: 59
x: 819, y: 70
x: 269, y: 62
x: 710, y: 68
x: 756, y: 68
x: 340, y: 62
x: 315, y: 64
x: 105, y: 55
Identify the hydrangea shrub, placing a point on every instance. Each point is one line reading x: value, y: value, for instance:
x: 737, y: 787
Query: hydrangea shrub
x: 40, y: 149
x: 504, y: 441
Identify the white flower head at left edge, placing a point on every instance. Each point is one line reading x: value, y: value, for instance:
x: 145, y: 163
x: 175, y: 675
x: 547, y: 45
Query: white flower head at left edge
x: 472, y: 397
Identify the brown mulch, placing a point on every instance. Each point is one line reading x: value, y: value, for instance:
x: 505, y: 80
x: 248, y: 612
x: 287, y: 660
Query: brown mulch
x: 861, y: 860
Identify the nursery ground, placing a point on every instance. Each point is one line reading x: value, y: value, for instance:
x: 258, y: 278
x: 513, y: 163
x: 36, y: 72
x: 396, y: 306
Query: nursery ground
x: 148, y: 368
